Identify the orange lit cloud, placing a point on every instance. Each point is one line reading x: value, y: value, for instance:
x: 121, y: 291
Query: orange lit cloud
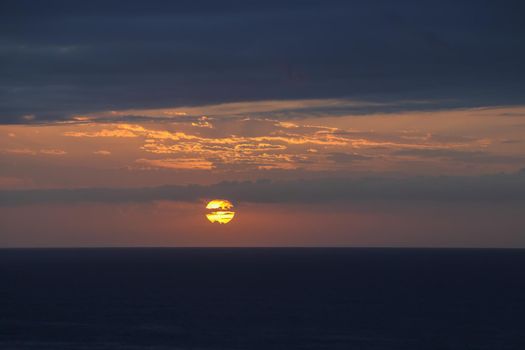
x: 119, y: 132
x: 445, y: 142
x: 26, y: 151
x: 203, y: 122
x: 275, y: 144
x: 243, y: 108
x: 102, y: 153
x: 53, y: 152
x: 21, y: 151
x: 177, y: 163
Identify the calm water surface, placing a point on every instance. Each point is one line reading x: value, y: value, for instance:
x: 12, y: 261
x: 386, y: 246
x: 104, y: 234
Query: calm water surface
x: 262, y: 299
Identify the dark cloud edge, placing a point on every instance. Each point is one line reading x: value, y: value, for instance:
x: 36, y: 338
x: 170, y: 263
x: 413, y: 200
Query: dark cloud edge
x: 485, y: 188
x: 283, y: 115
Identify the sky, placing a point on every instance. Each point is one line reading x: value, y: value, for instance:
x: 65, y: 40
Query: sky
x: 325, y: 123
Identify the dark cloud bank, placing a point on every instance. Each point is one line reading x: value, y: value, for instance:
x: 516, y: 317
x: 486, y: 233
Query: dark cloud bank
x: 488, y: 188
x: 59, y: 58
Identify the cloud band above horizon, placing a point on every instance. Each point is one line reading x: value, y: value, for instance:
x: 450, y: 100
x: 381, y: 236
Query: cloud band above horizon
x: 491, y: 188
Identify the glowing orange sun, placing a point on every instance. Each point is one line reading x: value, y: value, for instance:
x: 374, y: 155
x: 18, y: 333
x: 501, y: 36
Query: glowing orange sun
x: 220, y: 211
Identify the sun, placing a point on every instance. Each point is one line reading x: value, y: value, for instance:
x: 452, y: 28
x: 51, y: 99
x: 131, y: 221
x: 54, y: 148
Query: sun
x: 219, y: 211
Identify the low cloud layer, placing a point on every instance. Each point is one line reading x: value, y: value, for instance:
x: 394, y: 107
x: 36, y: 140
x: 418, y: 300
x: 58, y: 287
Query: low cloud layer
x: 491, y: 188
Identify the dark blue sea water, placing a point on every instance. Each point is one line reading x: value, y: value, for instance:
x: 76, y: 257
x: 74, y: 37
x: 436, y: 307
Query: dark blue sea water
x: 262, y: 299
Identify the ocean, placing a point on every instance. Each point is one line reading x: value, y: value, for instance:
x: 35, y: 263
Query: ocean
x: 262, y: 298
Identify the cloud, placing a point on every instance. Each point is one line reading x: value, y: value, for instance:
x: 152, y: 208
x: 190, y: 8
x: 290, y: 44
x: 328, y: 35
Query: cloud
x: 53, y: 152
x: 479, y: 157
x: 69, y: 58
x: 510, y: 141
x: 491, y: 188
x: 203, y: 122
x: 250, y: 144
x: 340, y: 157
x: 32, y: 152
x: 102, y: 153
x: 102, y: 133
x: 177, y: 163
x: 282, y: 108
x: 20, y: 151
x: 267, y: 149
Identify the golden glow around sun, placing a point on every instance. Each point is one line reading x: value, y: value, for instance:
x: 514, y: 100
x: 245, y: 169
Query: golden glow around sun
x: 224, y: 215
x: 219, y: 204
